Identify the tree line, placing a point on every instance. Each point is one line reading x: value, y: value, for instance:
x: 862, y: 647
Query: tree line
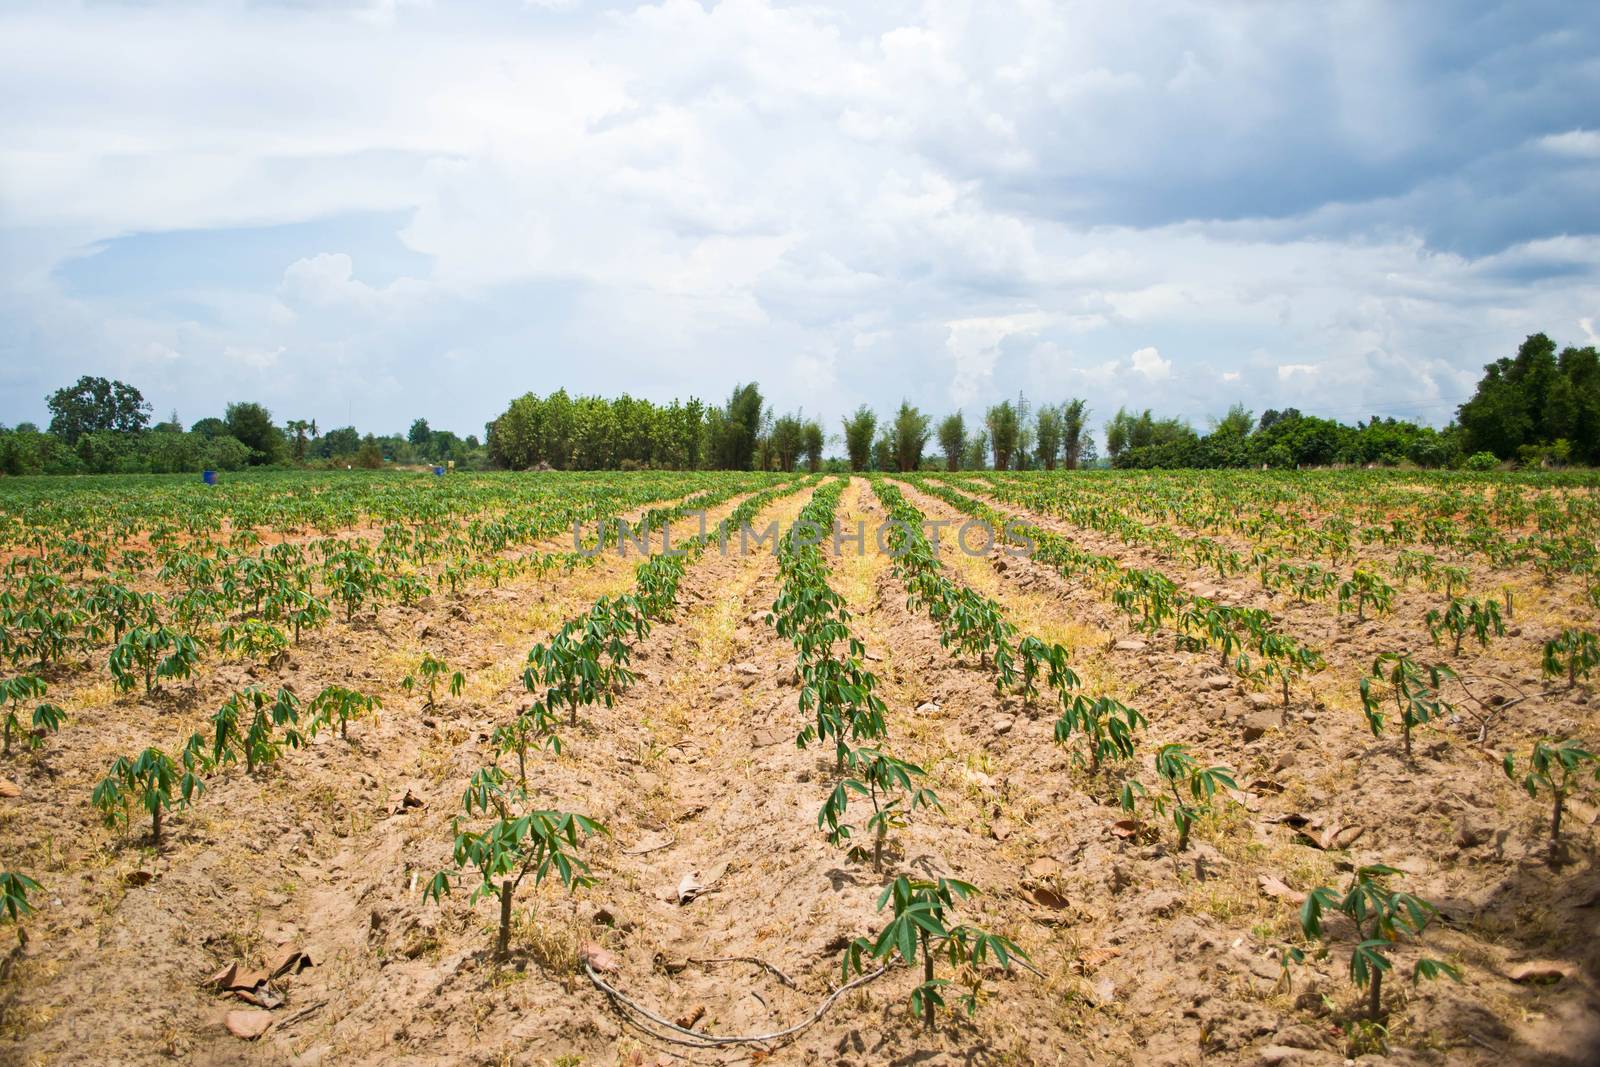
x: 1539, y: 407
x: 564, y: 432
x: 101, y: 426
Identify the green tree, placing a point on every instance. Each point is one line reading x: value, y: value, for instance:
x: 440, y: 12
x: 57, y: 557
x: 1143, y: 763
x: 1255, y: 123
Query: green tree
x: 343, y: 441
x: 953, y: 439
x: 1118, y: 431
x: 858, y: 431
x: 1048, y: 434
x: 977, y: 453
x: 370, y: 455
x: 419, y: 435
x: 788, y: 439
x: 96, y: 405
x: 1074, y: 420
x: 910, y: 435
x: 299, y: 428
x: 209, y: 427
x: 741, y: 425
x: 252, y: 424
x: 1238, y: 423
x: 1001, y: 422
x: 811, y: 444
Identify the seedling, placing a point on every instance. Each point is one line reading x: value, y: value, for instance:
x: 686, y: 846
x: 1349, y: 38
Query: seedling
x: 1382, y: 918
x: 1310, y: 582
x: 1454, y: 577
x: 337, y: 702
x: 1413, y: 564
x: 1463, y: 617
x: 1574, y: 653
x: 535, y: 726
x: 14, y: 890
x: 1050, y: 660
x: 151, y: 653
x: 354, y: 580
x: 151, y: 779
x: 1107, y: 726
x: 1415, y: 690
x: 921, y: 926
x: 1183, y: 775
x: 246, y: 722
x: 432, y: 670
x: 1363, y: 588
x: 513, y: 846
x: 47, y: 718
x: 887, y: 783
x: 1552, y: 765
x: 587, y: 661
x: 1287, y: 659
x: 253, y: 639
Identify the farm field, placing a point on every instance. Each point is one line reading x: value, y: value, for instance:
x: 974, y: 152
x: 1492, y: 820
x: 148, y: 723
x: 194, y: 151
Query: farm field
x: 1084, y: 779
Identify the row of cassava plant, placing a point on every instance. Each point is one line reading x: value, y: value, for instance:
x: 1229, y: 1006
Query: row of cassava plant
x: 252, y: 726
x: 969, y: 622
x: 1247, y: 640
x: 839, y: 696
x: 502, y: 837
x: 1105, y: 728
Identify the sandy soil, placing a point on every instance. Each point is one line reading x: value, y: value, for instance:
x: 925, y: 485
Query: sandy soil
x: 1144, y: 954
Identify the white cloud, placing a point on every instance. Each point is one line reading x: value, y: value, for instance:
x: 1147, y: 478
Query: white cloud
x: 974, y: 344
x: 322, y: 280
x: 256, y: 357
x: 674, y: 196
x: 1148, y: 362
x: 1582, y: 143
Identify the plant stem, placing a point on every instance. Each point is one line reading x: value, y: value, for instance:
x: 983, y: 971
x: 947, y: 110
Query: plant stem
x: 1375, y: 995
x: 927, y: 978
x: 502, y: 944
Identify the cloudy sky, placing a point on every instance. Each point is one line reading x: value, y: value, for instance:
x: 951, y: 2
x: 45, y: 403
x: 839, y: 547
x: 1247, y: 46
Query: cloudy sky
x: 371, y: 211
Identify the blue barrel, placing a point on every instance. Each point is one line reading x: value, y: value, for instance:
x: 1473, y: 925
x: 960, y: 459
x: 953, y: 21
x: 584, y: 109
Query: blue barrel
x: 209, y: 477
x: 438, y: 471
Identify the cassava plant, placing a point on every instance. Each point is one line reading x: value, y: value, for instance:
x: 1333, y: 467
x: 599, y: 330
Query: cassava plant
x: 247, y: 723
x: 46, y: 718
x: 536, y: 726
x: 1572, y: 652
x: 150, y: 653
x: 1191, y: 788
x: 14, y: 889
x: 922, y: 928
x: 1106, y: 726
x: 1037, y: 659
x: 1556, y: 767
x: 520, y: 841
x: 1286, y: 659
x: 432, y: 670
x: 1365, y: 588
x: 152, y: 780
x: 1414, y: 688
x: 336, y: 703
x: 1465, y: 616
x: 1382, y: 918
x: 252, y: 639
x: 889, y: 784
x: 586, y: 662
